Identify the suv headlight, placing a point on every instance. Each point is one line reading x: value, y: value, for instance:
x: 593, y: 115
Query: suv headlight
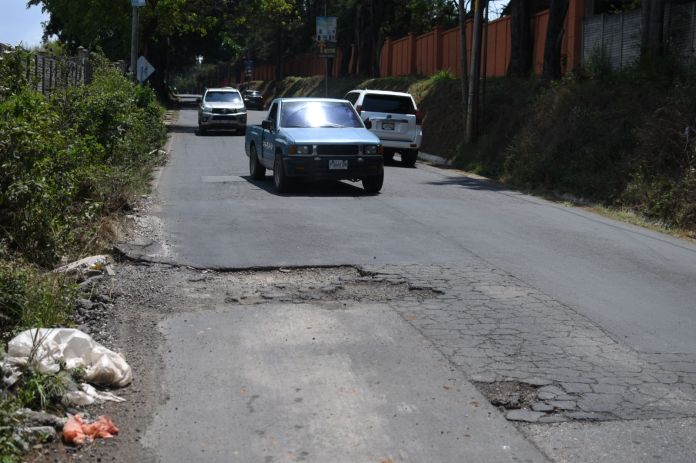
x: 370, y: 149
x: 300, y: 149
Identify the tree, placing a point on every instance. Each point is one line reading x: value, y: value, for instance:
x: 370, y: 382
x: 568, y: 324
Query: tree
x: 472, y: 113
x: 652, y: 27
x: 464, y: 61
x: 521, y: 40
x: 554, y: 40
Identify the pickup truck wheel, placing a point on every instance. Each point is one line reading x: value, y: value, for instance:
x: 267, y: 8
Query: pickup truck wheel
x: 373, y: 183
x: 408, y: 158
x: 280, y: 181
x: 256, y: 169
x: 201, y: 130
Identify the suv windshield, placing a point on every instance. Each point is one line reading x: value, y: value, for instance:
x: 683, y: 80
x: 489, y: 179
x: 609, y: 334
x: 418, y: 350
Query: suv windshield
x: 388, y: 104
x: 308, y: 114
x: 223, y: 97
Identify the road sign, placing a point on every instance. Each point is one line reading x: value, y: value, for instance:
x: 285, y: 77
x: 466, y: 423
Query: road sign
x: 145, y: 69
x: 327, y: 49
x: 326, y: 29
x: 138, y: 3
x: 248, y: 66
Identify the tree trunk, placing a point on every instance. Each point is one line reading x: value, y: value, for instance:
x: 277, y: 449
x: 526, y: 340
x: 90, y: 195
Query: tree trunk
x: 473, y: 104
x: 652, y: 27
x: 521, y: 40
x: 464, y: 61
x: 554, y: 40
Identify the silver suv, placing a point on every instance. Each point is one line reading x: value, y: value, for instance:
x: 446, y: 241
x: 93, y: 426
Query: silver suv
x: 222, y: 108
x: 394, y: 118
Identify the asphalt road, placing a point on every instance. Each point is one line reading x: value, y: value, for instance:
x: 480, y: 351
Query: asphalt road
x: 513, y: 288
x: 640, y: 286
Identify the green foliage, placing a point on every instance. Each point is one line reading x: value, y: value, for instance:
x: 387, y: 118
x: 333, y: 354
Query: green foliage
x: 623, y: 139
x: 587, y: 157
x: 39, y: 391
x: 663, y: 178
x: 598, y: 64
x: 71, y: 158
x: 442, y: 76
x: 10, y: 452
x: 30, y: 299
x: 13, y: 72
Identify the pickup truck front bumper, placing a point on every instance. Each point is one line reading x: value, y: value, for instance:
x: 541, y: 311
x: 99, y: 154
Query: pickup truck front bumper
x: 321, y: 168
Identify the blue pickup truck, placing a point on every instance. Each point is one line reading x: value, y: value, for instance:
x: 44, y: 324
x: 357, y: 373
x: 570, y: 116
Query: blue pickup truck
x: 314, y: 138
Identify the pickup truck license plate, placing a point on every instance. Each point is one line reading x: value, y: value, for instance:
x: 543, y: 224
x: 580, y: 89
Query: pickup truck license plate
x: 338, y: 164
x: 387, y: 126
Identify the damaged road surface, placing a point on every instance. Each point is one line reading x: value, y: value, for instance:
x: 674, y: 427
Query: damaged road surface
x: 322, y: 379
x: 443, y: 320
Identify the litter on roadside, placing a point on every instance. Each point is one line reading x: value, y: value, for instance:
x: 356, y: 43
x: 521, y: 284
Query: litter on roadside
x: 47, y: 349
x: 77, y: 432
x: 89, y: 395
x: 86, y: 267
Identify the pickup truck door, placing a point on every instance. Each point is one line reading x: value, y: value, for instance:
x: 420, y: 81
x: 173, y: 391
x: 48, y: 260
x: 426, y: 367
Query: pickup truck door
x: 268, y: 137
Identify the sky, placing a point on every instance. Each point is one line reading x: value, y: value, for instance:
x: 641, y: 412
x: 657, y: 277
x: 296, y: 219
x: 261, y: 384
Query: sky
x: 19, y: 24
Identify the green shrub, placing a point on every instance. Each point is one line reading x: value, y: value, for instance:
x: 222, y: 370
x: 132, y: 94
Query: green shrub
x: 68, y: 160
x: 663, y: 178
x: 29, y: 299
x: 444, y: 75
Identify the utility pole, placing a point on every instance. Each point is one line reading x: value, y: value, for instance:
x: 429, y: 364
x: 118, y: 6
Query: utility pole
x: 134, y: 44
x: 134, y: 37
x: 473, y: 106
x: 326, y: 61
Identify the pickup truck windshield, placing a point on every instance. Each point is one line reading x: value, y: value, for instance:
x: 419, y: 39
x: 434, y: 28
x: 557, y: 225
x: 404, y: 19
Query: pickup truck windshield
x: 223, y: 97
x: 312, y: 114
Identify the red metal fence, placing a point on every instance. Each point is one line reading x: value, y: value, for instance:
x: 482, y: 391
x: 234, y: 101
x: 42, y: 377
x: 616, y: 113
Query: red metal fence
x: 439, y: 49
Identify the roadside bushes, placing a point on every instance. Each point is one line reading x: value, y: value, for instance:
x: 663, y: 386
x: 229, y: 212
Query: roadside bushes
x: 71, y: 158
x: 620, y: 139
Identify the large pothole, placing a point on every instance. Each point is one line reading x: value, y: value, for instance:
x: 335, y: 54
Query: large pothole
x: 301, y: 285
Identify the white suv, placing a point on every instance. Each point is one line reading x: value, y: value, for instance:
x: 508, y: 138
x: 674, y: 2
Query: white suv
x: 395, y: 120
x: 222, y: 108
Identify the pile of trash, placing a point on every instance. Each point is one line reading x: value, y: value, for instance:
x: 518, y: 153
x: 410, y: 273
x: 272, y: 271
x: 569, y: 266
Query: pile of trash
x: 79, y: 362
x: 52, y: 350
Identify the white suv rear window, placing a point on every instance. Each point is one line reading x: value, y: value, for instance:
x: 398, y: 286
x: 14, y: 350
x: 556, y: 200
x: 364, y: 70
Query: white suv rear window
x: 388, y: 104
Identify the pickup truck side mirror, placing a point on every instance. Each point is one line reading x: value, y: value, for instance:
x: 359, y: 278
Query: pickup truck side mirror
x: 267, y: 125
x: 368, y: 123
x: 199, y: 100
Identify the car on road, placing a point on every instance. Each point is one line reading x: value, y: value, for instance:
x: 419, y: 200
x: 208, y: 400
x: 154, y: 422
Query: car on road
x: 222, y: 109
x: 253, y: 99
x: 394, y: 118
x: 314, y: 138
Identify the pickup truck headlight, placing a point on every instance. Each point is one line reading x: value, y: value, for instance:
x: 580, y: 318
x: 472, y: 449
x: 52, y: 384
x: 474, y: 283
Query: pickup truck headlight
x: 300, y: 149
x: 370, y: 149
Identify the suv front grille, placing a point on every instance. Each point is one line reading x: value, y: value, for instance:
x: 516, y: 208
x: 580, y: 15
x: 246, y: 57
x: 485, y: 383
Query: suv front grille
x: 338, y: 150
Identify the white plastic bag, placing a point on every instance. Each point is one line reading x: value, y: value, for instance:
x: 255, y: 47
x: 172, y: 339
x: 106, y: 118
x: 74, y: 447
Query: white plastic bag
x: 83, y: 266
x: 48, y: 348
x: 88, y: 395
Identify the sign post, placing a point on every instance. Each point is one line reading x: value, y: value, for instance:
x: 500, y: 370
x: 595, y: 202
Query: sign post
x: 134, y: 36
x: 326, y: 39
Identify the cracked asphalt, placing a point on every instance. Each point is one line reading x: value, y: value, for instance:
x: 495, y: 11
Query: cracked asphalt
x: 445, y: 319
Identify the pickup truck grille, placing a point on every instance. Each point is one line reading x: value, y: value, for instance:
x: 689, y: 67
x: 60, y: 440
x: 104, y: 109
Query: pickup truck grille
x: 338, y: 150
x: 223, y: 111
